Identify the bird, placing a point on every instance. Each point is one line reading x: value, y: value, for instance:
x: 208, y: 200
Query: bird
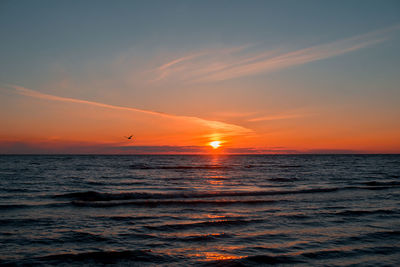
x: 129, y: 137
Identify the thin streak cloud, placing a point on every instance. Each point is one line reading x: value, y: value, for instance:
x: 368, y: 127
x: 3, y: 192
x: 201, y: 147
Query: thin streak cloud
x: 276, y: 117
x: 176, y: 61
x: 225, y: 128
x: 222, y: 65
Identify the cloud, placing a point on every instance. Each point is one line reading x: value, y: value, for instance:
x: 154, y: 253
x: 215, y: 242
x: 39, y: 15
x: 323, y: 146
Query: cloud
x: 231, y: 63
x: 179, y: 60
x: 276, y: 117
x: 222, y: 127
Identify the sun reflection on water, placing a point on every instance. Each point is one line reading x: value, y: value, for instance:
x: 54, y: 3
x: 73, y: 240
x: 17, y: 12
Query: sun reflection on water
x: 215, y: 256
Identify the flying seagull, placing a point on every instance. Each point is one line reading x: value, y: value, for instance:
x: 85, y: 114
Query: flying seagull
x: 129, y: 137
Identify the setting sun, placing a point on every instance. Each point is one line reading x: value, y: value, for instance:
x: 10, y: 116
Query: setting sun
x: 215, y: 144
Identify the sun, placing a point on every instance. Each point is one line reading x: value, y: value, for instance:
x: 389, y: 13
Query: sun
x: 215, y: 144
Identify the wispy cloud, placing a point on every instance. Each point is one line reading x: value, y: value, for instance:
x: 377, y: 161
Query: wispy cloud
x: 219, y: 65
x: 277, y: 117
x: 222, y: 127
x: 179, y: 60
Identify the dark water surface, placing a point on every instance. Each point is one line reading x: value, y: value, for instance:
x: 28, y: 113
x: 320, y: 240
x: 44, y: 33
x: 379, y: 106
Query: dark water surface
x: 302, y: 210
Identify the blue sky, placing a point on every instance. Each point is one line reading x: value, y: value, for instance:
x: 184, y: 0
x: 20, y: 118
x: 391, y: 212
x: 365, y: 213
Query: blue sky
x: 36, y: 34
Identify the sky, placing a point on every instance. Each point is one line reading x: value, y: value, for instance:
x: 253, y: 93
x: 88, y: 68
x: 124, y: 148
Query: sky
x: 254, y: 76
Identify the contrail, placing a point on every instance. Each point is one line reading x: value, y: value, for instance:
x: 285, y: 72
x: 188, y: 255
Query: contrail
x: 216, y: 125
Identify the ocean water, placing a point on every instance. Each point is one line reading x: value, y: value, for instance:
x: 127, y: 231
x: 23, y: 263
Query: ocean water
x: 294, y: 210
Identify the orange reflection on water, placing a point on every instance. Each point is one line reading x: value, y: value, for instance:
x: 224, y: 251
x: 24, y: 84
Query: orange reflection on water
x: 215, y: 160
x: 215, y: 182
x: 213, y: 256
x: 189, y: 234
x: 203, y: 252
x: 217, y: 255
x: 213, y: 216
x: 216, y: 176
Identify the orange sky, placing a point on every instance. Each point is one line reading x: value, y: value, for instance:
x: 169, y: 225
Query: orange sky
x: 57, y: 124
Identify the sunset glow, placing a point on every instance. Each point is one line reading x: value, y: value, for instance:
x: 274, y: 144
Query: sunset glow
x: 215, y: 144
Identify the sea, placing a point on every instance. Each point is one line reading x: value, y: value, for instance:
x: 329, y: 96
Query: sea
x: 200, y: 210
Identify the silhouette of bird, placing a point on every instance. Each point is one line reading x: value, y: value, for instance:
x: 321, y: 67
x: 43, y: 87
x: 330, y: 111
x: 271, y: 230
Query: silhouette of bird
x: 129, y: 137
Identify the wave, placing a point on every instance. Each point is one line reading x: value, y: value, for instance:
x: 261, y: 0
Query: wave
x: 140, y: 167
x: 27, y: 221
x: 108, y: 183
x: 256, y: 260
x: 341, y: 253
x: 206, y: 167
x: 103, y: 199
x: 74, y: 236
x: 261, y: 236
x: 289, y: 166
x: 381, y: 183
x: 203, y: 224
x: 12, y: 206
x: 382, y: 235
x: 28, y: 206
x: 366, y: 212
x: 198, y: 238
x: 154, y: 203
x: 98, y: 196
x: 178, y: 167
x: 15, y: 190
x: 105, y: 257
x: 207, y: 237
x: 281, y: 179
x: 294, y: 216
x: 344, y: 213
x: 328, y: 254
x: 265, y: 259
x: 126, y: 218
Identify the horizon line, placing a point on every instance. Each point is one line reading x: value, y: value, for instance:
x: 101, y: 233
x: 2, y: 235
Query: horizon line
x: 195, y: 154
